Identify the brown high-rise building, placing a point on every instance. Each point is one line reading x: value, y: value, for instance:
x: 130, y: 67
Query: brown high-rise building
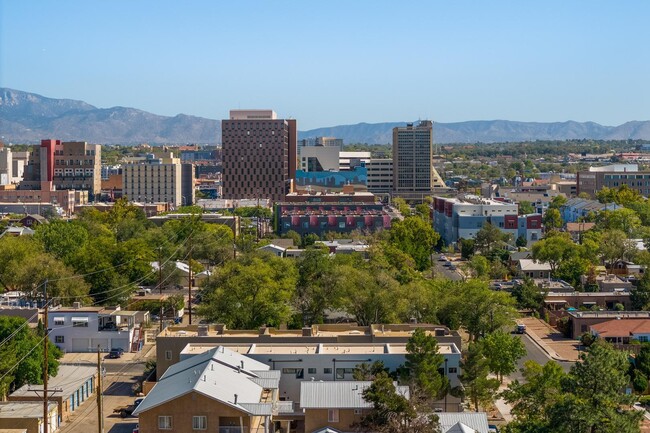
x: 259, y: 155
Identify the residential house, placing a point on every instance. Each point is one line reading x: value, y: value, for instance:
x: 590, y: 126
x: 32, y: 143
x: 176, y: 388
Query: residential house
x: 339, y: 405
x: 17, y: 231
x: 32, y: 220
x: 463, y: 422
x: 218, y: 390
x: 577, y: 209
x: 622, y: 331
x: 608, y: 283
x: 85, y: 329
x: 273, y: 249
x: 577, y: 300
x: 577, y: 230
x: 74, y: 385
x: 533, y: 269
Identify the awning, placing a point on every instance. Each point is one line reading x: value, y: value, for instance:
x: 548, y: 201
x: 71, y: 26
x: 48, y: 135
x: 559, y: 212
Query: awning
x: 555, y: 302
x: 589, y: 303
x: 80, y: 319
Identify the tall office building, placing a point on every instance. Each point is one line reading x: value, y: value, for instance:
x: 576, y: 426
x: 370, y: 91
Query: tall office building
x: 259, y: 155
x: 64, y: 165
x: 413, y: 170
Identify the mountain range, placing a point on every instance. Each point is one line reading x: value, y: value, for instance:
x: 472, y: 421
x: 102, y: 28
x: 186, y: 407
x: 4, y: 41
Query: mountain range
x: 28, y: 118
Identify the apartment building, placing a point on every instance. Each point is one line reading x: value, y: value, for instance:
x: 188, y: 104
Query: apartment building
x: 613, y: 176
x: 463, y: 216
x: 68, y: 165
x: 320, y: 213
x: 413, y: 170
x: 259, y: 153
x: 156, y: 180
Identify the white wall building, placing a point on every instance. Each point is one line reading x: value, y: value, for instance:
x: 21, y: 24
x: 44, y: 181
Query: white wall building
x: 327, y: 361
x: 83, y: 329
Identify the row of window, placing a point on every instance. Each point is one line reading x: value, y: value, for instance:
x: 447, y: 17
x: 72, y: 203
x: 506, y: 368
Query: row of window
x: 340, y: 372
x: 198, y: 422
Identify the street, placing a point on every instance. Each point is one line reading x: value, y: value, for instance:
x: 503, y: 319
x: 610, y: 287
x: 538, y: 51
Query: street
x: 443, y: 271
x: 534, y: 353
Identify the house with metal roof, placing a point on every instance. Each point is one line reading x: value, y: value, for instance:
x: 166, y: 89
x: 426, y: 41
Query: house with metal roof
x: 28, y: 416
x: 218, y: 390
x: 336, y: 405
x: 463, y: 422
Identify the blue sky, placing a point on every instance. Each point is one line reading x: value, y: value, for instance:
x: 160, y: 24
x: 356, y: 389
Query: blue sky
x: 337, y: 62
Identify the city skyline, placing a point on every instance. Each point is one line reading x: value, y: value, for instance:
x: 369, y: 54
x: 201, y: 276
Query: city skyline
x: 343, y: 63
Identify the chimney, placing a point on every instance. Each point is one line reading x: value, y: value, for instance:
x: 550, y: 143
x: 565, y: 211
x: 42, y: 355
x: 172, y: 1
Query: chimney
x: 307, y: 331
x: 264, y: 330
x: 76, y: 305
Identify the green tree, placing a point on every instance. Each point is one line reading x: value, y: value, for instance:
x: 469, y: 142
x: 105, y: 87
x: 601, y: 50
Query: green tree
x: 525, y: 208
x: 22, y: 356
x: 502, y: 351
x: 415, y: 237
x: 480, y: 266
x: 484, y: 310
x: 554, y: 250
x: 488, y: 238
x: 392, y: 412
x: 530, y: 399
x: 62, y: 238
x: 478, y: 387
x: 615, y: 246
x: 403, y: 208
x: 640, y: 295
x: 557, y: 202
x: 623, y: 219
x: 365, y: 371
x: 521, y: 241
x: 423, y: 362
x: 552, y: 219
x: 466, y: 248
x: 642, y: 360
x: 528, y: 295
x: 318, y: 285
x: 252, y: 291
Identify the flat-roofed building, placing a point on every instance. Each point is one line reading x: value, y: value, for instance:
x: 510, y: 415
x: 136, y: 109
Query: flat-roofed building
x: 413, y: 169
x: 28, y: 416
x: 380, y: 175
x: 155, y: 180
x: 613, y: 176
x: 259, y: 153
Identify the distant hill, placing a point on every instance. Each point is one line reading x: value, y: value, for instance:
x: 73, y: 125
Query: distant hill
x: 489, y: 131
x: 28, y: 118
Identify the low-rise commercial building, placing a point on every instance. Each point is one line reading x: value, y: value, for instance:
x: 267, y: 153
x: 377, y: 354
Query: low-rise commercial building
x: 84, y: 329
x: 581, y: 321
x: 74, y: 385
x: 613, y: 176
x: 28, y: 416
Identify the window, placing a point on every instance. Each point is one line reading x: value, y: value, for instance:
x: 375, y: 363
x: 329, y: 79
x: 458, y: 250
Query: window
x: 327, y: 371
x: 199, y: 422
x: 332, y: 415
x: 58, y: 339
x: 341, y: 372
x: 452, y: 370
x: 168, y: 354
x: 643, y: 338
x: 299, y: 372
x: 311, y: 371
x: 59, y: 320
x: 165, y: 422
x: 357, y: 411
x: 78, y: 323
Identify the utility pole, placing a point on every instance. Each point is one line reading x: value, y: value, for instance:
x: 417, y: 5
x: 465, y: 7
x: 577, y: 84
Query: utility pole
x: 189, y: 263
x: 100, y: 403
x: 46, y: 412
x: 160, y: 279
x: 161, y: 316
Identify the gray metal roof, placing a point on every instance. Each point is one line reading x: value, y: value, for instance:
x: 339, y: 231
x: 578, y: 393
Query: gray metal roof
x: 339, y: 394
x: 258, y: 408
x: 217, y: 374
x: 476, y: 420
x: 69, y: 378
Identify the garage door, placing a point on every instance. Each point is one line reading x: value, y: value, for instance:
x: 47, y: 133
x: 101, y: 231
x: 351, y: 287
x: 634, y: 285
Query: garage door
x: 80, y: 345
x: 101, y: 342
x: 120, y: 343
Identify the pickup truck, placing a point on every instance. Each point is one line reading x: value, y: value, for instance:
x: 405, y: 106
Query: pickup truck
x: 127, y: 410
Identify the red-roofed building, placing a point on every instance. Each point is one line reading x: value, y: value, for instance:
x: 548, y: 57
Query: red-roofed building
x: 622, y: 331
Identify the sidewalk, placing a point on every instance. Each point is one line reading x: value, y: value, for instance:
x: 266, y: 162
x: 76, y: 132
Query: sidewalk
x: 550, y: 340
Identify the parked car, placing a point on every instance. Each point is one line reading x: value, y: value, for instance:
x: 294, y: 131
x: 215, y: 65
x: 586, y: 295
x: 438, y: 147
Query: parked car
x: 116, y: 353
x: 442, y: 258
x: 493, y: 428
x: 447, y: 264
x: 452, y: 267
x: 520, y: 328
